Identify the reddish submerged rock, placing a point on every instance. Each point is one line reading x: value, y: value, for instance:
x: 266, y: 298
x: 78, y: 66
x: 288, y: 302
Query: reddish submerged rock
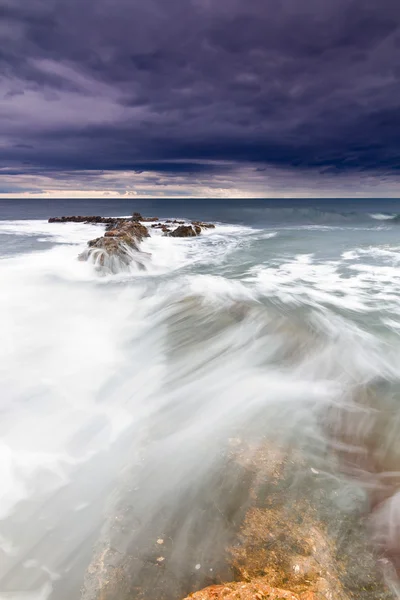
x: 258, y: 589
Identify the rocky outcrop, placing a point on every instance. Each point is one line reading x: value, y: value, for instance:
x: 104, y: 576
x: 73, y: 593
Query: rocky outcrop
x: 184, y: 231
x: 117, y: 229
x: 192, y: 230
x: 118, y: 246
x: 203, y: 225
x: 84, y: 219
x: 138, y: 217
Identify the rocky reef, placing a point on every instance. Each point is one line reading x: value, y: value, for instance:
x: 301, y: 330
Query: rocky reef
x: 83, y: 219
x: 119, y: 246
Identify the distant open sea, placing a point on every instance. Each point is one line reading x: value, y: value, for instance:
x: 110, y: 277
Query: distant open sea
x: 253, y: 326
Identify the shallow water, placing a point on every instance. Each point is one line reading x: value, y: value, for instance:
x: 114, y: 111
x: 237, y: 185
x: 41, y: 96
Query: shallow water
x: 258, y: 328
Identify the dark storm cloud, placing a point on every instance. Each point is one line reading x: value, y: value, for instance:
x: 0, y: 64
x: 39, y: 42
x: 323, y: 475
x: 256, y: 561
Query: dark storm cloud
x: 158, y: 85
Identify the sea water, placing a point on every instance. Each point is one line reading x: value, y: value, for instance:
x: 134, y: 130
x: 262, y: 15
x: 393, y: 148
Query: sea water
x: 255, y: 328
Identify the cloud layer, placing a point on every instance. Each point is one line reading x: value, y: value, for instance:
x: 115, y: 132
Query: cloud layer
x: 198, y: 93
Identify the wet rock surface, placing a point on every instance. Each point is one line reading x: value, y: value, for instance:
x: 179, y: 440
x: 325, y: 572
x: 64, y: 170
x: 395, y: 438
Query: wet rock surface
x: 263, y: 523
x: 119, y: 246
x: 184, y: 231
x: 258, y: 589
x: 192, y: 230
x: 297, y: 544
x: 84, y: 219
x: 164, y: 228
x: 181, y: 549
x: 138, y: 217
x: 203, y: 225
x: 115, y: 249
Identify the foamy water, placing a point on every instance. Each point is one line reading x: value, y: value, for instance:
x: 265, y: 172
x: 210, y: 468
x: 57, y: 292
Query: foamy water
x: 243, y: 331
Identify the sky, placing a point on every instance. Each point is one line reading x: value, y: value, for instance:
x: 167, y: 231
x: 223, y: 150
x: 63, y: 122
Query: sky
x: 216, y: 98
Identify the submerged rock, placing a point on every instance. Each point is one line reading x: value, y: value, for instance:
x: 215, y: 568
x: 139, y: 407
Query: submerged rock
x: 252, y: 522
x: 294, y: 542
x: 258, y: 589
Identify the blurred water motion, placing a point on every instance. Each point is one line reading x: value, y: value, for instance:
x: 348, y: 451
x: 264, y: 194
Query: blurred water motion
x: 157, y: 426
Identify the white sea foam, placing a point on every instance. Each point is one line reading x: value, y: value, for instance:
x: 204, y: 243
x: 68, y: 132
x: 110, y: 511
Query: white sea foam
x: 387, y: 253
x: 382, y: 216
x: 63, y: 233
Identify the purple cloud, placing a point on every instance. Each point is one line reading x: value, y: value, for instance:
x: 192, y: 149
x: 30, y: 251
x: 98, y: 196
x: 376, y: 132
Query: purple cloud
x: 155, y: 85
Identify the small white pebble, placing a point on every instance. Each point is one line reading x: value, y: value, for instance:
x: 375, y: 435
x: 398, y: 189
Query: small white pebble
x: 197, y: 567
x: 160, y: 541
x: 315, y: 471
x: 210, y: 569
x: 160, y: 559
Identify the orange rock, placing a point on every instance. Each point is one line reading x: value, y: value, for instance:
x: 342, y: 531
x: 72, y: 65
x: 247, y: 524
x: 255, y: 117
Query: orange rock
x: 257, y: 589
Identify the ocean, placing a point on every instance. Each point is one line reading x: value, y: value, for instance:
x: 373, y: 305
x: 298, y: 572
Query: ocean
x: 134, y: 384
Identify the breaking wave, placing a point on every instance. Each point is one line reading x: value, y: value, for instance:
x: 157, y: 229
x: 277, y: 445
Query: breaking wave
x: 384, y: 216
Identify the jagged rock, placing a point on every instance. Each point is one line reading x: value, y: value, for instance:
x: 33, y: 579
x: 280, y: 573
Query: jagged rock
x: 192, y: 230
x: 117, y: 244
x: 184, y: 231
